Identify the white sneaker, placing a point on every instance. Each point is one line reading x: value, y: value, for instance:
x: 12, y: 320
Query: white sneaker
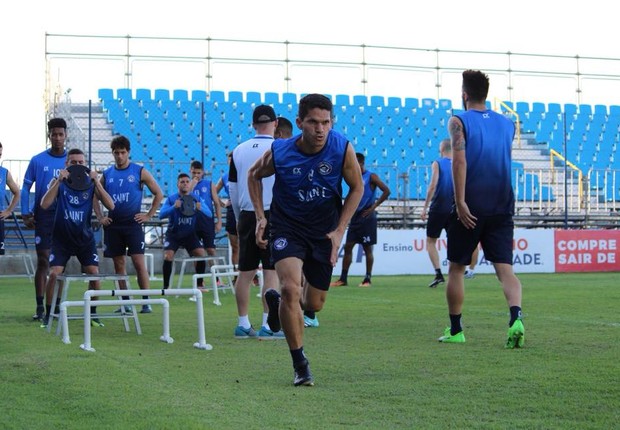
x: 469, y: 274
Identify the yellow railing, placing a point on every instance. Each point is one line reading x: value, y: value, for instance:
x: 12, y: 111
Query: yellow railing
x: 553, y: 154
x: 497, y: 108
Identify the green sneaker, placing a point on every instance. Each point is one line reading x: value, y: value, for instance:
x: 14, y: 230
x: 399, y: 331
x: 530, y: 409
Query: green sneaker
x: 516, y: 335
x: 94, y: 322
x: 449, y: 338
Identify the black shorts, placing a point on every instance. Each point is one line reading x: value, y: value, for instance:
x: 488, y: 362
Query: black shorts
x: 123, y: 240
x: 494, y: 233
x: 363, y: 230
x: 2, y: 235
x: 315, y: 254
x: 436, y: 222
x: 173, y: 243
x: 43, y: 228
x: 250, y: 255
x: 231, y: 222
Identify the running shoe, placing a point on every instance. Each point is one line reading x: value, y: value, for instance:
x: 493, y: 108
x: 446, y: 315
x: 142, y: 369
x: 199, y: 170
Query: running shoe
x: 303, y: 376
x: 311, y: 322
x: 516, y: 335
x: 338, y: 283
x: 438, y: 280
x: 265, y: 334
x: 452, y: 338
x: 245, y: 333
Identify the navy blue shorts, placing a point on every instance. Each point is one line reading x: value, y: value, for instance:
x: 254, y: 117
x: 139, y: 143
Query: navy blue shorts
x: 86, y: 254
x: 205, y: 229
x: 190, y: 242
x: 363, y: 229
x: 231, y: 222
x: 123, y: 240
x: 314, y: 253
x: 494, y: 233
x: 43, y: 228
x: 436, y: 222
x: 250, y: 255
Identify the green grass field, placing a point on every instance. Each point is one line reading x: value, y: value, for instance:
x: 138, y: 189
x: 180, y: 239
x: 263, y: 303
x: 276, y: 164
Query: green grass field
x: 375, y: 358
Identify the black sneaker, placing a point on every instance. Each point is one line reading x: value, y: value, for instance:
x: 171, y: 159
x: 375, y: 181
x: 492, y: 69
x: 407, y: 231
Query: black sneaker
x: 272, y: 297
x: 146, y: 309
x: 44, y: 321
x: 303, y: 376
x: 438, y: 280
x: 39, y: 313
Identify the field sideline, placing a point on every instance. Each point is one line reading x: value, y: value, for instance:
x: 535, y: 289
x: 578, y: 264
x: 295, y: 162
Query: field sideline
x: 375, y: 358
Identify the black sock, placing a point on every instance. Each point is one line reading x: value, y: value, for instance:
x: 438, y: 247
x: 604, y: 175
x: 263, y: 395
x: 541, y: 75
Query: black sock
x: 145, y: 297
x: 167, y: 273
x: 48, y: 310
x: 125, y: 297
x: 455, y: 324
x: 39, y: 302
x: 310, y: 314
x: 93, y: 310
x: 367, y: 278
x: 344, y: 275
x: 438, y: 273
x: 515, y: 314
x: 298, y: 355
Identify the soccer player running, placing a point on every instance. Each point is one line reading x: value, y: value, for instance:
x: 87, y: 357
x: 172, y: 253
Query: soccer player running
x: 363, y: 227
x: 43, y: 167
x: 481, y: 161
x: 124, y: 234
x: 72, y: 234
x: 307, y: 219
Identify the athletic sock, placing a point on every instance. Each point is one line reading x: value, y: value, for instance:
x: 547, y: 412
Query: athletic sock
x: 244, y: 321
x: 438, y: 273
x: 515, y: 314
x: 167, y: 273
x: 455, y: 324
x: 310, y: 314
x: 39, y: 301
x: 298, y: 355
x: 344, y: 275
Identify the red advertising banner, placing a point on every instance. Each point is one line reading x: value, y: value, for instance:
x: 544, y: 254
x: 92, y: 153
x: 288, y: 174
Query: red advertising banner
x: 587, y: 250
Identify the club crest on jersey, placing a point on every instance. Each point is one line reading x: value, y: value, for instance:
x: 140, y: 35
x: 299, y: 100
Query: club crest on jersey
x: 280, y: 243
x: 131, y: 178
x: 85, y: 196
x: 325, y: 168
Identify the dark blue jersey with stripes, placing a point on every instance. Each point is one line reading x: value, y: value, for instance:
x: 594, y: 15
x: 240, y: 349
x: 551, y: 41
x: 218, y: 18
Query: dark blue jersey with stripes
x: 74, y: 209
x: 443, y: 197
x: 125, y: 188
x: 488, y: 145
x: 307, y: 193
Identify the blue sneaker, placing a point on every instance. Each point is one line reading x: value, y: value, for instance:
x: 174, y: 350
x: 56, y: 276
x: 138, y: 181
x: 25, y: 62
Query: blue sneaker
x: 265, y: 334
x: 311, y: 322
x: 245, y: 333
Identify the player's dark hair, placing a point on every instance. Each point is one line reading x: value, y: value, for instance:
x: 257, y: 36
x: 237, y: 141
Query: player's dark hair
x: 196, y: 165
x: 313, y: 101
x: 56, y: 123
x: 476, y: 85
x: 360, y: 157
x: 284, y: 126
x: 182, y: 175
x: 75, y: 151
x: 120, y: 142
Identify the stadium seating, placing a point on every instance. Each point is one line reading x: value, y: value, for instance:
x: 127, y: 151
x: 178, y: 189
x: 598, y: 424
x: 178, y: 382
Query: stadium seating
x: 395, y: 134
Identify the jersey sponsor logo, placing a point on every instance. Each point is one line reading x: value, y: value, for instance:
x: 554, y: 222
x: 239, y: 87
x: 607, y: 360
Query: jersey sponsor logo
x: 280, y: 243
x: 120, y: 197
x: 297, y: 171
x: 312, y: 194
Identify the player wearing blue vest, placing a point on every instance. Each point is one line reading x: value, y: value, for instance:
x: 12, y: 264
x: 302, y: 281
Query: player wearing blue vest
x: 437, y: 208
x: 6, y: 180
x: 181, y: 230
x: 484, y: 201
x: 42, y: 168
x: 123, y: 232
x: 72, y: 234
x: 308, y: 219
x: 206, y: 226
x: 363, y: 226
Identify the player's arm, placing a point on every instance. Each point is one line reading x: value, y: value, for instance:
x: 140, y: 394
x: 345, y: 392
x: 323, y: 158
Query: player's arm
x: 147, y: 179
x: 103, y: 220
x: 233, y: 187
x: 166, y: 208
x: 430, y: 191
x: 353, y: 177
x: 27, y: 215
x: 50, y: 195
x: 459, y: 171
x: 218, y: 188
x: 217, y: 207
x: 14, y: 189
x: 262, y: 168
x: 100, y: 193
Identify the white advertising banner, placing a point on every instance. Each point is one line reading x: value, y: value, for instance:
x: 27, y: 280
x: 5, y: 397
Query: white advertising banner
x: 403, y: 252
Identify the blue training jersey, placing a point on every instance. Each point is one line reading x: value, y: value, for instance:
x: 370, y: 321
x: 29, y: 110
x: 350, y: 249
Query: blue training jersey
x: 443, y: 197
x: 225, y: 184
x: 202, y: 190
x: 178, y: 224
x: 74, y: 209
x: 3, y: 174
x: 488, y: 145
x: 125, y: 188
x: 42, y: 168
x: 307, y: 193
x: 368, y: 198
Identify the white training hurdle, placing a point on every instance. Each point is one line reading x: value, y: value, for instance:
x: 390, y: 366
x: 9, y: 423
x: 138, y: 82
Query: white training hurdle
x: 201, y: 344
x: 64, y: 320
x: 185, y: 260
x: 149, y: 260
x: 28, y: 265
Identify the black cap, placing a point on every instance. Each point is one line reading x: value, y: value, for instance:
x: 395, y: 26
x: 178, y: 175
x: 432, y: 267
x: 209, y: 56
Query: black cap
x: 263, y: 114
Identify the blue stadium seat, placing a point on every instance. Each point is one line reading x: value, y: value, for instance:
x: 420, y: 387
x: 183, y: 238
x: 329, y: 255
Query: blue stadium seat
x: 199, y: 96
x: 272, y: 98
x: 377, y: 101
x: 124, y: 94
x: 538, y: 107
x: 180, y: 95
x: 570, y: 109
x: 161, y: 94
x: 289, y: 98
x: 105, y: 94
x: 522, y: 108
x: 217, y: 96
x: 253, y: 97
x: 360, y: 100
x: 444, y: 104
x: 585, y: 109
x: 235, y: 97
x: 395, y: 102
x: 614, y: 110
x: 143, y: 94
x: 412, y: 102
x: 428, y: 103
